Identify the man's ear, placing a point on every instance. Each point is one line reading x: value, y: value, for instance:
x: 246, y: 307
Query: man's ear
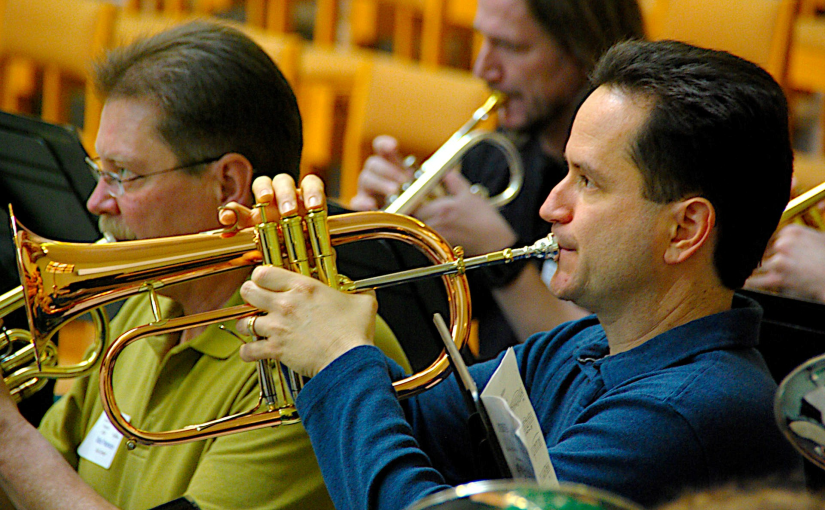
x: 234, y: 174
x: 692, y: 224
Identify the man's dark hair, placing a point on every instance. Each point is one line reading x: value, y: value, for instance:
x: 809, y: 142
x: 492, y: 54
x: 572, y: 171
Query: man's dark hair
x: 218, y: 92
x: 587, y: 28
x: 718, y: 128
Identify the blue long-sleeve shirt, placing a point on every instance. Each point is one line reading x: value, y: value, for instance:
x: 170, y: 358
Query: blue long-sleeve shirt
x: 691, y: 407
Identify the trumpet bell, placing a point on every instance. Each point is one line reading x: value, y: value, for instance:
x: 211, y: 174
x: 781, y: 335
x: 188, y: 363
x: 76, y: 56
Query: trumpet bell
x: 31, y: 356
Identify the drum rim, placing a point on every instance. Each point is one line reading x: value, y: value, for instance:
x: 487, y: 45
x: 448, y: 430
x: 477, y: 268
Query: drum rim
x: 563, y: 488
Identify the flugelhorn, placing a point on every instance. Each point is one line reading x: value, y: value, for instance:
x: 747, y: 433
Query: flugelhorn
x: 429, y: 176
x: 64, y: 280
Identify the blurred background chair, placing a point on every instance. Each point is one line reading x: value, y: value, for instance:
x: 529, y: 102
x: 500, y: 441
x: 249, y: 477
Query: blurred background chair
x: 58, y: 40
x: 436, y: 32
x: 757, y: 30
x: 420, y: 106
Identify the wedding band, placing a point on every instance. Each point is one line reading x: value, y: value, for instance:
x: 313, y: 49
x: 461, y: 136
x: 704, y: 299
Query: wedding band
x: 250, y: 325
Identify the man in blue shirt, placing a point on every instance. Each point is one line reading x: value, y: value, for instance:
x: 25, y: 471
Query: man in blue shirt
x: 679, y: 166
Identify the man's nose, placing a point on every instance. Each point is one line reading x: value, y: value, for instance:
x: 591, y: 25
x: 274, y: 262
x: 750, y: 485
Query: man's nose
x: 555, y: 209
x: 101, y: 201
x: 485, y: 66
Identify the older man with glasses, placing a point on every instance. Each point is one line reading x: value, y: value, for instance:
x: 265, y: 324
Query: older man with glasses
x: 191, y: 116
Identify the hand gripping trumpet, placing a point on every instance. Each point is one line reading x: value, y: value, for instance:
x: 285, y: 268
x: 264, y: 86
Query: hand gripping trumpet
x: 78, y: 277
x: 429, y: 176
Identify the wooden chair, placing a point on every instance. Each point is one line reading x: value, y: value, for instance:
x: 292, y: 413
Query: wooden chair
x: 441, y: 20
x: 806, y: 62
x: 419, y: 28
x: 421, y: 107
x: 60, y: 38
x: 178, y: 7
x: 325, y: 81
x: 758, y: 30
x: 278, y: 16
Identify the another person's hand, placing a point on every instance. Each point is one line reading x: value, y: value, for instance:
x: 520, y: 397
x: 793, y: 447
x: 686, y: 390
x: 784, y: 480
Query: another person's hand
x: 467, y: 219
x: 382, y: 175
x: 794, y: 264
x: 307, y: 325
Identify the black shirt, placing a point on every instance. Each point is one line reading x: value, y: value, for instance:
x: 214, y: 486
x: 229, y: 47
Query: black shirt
x: 487, y: 165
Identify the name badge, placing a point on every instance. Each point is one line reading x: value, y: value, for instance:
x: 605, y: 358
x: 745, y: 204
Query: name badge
x: 102, y: 442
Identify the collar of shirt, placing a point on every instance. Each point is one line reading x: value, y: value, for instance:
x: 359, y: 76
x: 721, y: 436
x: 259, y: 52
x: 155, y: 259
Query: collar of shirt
x: 732, y: 329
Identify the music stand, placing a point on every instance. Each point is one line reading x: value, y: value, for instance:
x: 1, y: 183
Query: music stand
x: 43, y: 174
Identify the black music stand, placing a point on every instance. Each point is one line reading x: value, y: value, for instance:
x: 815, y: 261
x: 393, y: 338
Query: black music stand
x: 44, y: 176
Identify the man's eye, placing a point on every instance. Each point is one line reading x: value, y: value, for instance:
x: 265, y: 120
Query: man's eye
x: 585, y: 181
x: 125, y: 174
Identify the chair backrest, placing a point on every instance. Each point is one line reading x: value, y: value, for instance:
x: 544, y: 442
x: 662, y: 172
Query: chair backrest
x: 420, y: 29
x: 68, y: 33
x: 441, y: 18
x: 325, y: 82
x: 61, y: 37
x: 757, y: 30
x: 419, y: 106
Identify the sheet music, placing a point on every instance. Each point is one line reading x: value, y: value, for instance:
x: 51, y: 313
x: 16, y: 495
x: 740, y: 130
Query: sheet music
x: 516, y: 424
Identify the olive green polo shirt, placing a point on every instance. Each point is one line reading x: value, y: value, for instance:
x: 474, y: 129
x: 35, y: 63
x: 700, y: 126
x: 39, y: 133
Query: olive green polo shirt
x: 165, y: 389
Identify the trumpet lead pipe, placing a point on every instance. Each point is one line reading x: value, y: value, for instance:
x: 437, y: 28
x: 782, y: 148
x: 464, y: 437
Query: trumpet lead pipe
x: 543, y: 249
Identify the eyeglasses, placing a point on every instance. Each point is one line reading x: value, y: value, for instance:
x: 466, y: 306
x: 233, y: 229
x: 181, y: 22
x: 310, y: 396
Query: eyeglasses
x: 115, y: 180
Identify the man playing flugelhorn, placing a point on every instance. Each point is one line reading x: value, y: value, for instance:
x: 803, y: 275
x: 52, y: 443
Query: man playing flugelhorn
x: 679, y: 167
x: 191, y: 115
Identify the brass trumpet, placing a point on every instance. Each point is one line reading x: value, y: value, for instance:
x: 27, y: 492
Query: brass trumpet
x: 64, y: 280
x: 429, y: 176
x: 803, y: 210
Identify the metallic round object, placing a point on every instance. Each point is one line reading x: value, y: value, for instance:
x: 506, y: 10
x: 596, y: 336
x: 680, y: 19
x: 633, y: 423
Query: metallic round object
x: 522, y: 495
x: 799, y: 408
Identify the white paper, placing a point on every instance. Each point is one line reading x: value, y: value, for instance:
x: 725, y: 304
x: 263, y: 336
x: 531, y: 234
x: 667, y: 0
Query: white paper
x: 516, y: 425
x: 101, y: 443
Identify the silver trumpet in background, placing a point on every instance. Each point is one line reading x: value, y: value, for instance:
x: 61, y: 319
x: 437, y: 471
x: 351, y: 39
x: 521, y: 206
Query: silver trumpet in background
x: 428, y: 177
